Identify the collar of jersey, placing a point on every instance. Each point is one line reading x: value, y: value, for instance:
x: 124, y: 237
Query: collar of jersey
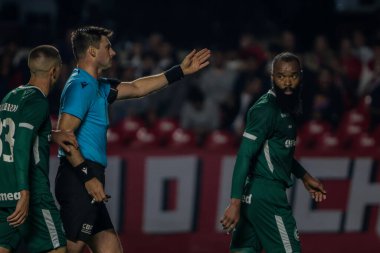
x: 86, y: 75
x: 29, y: 86
x: 272, y: 93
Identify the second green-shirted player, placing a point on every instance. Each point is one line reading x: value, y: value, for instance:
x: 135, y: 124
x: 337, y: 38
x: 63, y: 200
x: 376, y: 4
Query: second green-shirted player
x: 25, y: 132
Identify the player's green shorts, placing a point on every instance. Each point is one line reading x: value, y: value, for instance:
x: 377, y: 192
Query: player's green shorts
x: 266, y: 220
x: 42, y: 231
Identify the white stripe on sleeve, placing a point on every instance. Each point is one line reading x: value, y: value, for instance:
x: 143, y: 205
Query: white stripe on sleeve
x: 249, y: 136
x: 26, y: 125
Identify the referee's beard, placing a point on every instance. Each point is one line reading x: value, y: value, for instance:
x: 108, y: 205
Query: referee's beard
x: 289, y: 103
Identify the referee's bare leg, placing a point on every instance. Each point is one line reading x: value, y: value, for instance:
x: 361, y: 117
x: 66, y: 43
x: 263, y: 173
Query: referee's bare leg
x: 106, y: 241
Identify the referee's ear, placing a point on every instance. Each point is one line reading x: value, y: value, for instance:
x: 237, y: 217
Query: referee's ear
x: 92, y: 51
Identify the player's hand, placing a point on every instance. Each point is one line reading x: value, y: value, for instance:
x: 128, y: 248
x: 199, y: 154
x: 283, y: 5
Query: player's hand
x: 20, y: 214
x: 195, y: 61
x: 314, y: 187
x: 64, y: 139
x: 231, y: 216
x: 95, y: 188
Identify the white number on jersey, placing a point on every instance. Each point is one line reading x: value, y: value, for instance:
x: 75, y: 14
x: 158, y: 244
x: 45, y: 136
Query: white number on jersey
x: 8, y: 122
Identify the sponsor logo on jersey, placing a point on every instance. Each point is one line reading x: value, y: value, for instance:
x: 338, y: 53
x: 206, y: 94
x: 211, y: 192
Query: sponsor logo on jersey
x: 284, y: 115
x: 9, y: 196
x: 84, y: 170
x: 8, y: 107
x: 84, y: 84
x: 290, y: 143
x: 246, y: 199
x: 87, y: 228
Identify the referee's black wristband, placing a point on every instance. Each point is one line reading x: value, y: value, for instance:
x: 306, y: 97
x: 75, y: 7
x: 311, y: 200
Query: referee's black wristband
x: 174, y: 74
x: 84, y: 172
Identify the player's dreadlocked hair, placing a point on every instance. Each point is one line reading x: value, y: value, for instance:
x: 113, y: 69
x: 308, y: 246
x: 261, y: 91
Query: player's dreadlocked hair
x: 84, y: 37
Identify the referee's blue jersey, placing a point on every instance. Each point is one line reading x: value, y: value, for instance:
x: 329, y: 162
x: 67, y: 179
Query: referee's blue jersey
x: 86, y: 98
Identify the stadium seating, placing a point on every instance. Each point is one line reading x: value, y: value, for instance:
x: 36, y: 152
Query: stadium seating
x: 327, y: 142
x: 163, y: 128
x: 144, y: 138
x: 128, y: 128
x: 220, y: 140
x: 364, y: 144
x: 311, y: 133
x: 182, y: 138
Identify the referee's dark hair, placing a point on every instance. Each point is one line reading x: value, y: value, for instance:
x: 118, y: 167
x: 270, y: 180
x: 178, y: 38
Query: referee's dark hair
x: 84, y: 37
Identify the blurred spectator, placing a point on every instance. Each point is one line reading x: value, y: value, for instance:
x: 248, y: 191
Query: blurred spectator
x: 288, y: 42
x: 328, y: 99
x: 371, y: 72
x: 251, y: 48
x: 199, y: 114
x: 13, y: 66
x: 166, y: 56
x: 64, y: 47
x: 374, y: 107
x: 351, y: 68
x: 253, y: 90
x: 216, y: 81
x: 249, y: 86
x: 321, y: 54
x: 361, y: 50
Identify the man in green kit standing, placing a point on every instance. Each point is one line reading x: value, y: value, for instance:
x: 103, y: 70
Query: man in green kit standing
x: 259, y: 214
x: 27, y: 207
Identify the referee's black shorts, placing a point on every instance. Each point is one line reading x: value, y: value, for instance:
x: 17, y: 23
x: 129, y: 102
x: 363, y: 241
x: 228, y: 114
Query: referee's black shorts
x: 80, y: 218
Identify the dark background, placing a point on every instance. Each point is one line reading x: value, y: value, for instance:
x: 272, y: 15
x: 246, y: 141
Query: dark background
x: 188, y: 23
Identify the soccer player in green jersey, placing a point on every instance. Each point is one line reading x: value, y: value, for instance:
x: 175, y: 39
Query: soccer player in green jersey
x: 27, y: 207
x: 259, y: 214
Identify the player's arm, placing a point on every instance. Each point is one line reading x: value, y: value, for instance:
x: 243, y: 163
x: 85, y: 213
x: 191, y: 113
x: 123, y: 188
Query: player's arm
x: 312, y: 185
x: 192, y: 63
x: 64, y: 139
x: 34, y: 112
x: 259, y: 120
x: 297, y: 169
x: 70, y: 123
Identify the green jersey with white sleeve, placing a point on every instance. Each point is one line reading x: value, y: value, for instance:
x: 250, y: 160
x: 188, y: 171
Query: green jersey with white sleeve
x: 267, y: 147
x: 25, y: 130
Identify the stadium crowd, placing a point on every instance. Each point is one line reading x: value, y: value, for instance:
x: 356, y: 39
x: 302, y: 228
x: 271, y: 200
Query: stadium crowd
x: 341, y: 86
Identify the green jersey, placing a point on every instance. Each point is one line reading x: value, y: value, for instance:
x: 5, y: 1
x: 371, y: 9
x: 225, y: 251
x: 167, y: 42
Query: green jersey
x: 24, y: 145
x: 267, y: 146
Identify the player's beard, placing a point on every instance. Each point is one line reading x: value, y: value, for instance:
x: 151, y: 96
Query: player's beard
x: 289, y: 103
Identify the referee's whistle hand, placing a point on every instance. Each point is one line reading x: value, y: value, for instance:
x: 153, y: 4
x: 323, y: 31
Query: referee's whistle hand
x: 95, y: 188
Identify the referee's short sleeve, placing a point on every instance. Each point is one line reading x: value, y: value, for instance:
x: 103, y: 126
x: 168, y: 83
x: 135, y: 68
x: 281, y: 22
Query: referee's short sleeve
x: 77, y: 98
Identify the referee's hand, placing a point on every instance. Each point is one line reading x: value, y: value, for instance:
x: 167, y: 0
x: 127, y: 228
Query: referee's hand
x: 95, y: 188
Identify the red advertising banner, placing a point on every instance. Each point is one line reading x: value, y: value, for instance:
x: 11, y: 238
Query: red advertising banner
x: 170, y: 201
